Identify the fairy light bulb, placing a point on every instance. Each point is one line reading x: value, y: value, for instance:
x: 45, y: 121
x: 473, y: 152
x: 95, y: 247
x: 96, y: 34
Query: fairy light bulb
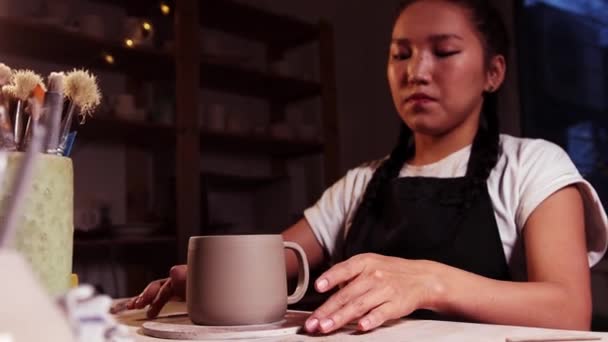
x: 108, y: 58
x: 129, y: 42
x: 146, y: 26
x: 164, y: 8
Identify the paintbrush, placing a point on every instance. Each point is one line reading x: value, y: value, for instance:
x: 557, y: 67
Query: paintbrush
x: 7, y: 138
x: 53, y: 108
x: 82, y: 91
x: 22, y: 84
x: 34, y: 108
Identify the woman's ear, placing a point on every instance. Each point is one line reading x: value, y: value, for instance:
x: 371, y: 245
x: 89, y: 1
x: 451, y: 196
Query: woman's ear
x: 496, y: 73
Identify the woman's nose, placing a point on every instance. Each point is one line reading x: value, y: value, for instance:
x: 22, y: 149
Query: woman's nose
x: 419, y: 69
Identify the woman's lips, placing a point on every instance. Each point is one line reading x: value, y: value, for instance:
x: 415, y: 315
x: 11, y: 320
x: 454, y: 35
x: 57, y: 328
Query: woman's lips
x: 419, y: 99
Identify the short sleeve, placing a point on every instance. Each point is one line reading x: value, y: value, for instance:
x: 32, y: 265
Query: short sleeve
x: 545, y: 168
x: 332, y: 214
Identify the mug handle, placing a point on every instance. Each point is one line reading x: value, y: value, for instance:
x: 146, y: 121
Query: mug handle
x: 303, y: 272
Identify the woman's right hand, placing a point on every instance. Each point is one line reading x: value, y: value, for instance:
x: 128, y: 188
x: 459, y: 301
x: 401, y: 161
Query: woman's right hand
x: 159, y: 292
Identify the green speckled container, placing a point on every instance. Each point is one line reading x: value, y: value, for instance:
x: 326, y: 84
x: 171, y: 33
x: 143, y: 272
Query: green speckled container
x: 46, y: 227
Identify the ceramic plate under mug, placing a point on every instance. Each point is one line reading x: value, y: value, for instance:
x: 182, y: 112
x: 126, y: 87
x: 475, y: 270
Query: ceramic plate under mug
x: 179, y: 327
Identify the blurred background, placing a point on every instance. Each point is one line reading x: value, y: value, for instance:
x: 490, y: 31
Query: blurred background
x: 224, y: 117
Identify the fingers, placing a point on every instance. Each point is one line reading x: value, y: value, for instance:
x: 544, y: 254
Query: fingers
x: 322, y: 319
x: 372, y: 297
x: 175, y: 286
x: 178, y: 280
x: 164, y: 294
x: 120, y: 306
x: 147, y: 295
x: 378, y: 316
x: 356, y: 309
x: 342, y: 272
x: 177, y: 275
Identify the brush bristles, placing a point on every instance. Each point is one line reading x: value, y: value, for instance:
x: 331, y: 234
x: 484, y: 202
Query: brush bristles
x: 8, y: 90
x: 56, y: 82
x: 5, y: 74
x: 22, y: 84
x: 81, y: 88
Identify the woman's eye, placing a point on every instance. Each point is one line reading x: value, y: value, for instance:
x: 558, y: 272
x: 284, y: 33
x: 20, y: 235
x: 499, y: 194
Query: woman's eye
x: 443, y: 54
x: 400, y: 56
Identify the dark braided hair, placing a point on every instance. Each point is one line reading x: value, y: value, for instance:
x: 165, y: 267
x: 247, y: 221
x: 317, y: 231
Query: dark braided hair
x: 489, y: 24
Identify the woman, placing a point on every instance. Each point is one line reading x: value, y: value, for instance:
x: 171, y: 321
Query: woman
x: 458, y: 221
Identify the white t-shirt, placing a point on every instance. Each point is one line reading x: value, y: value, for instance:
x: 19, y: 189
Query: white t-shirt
x: 527, y: 172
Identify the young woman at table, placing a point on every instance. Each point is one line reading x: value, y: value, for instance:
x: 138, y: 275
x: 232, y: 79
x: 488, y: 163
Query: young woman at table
x: 459, y: 221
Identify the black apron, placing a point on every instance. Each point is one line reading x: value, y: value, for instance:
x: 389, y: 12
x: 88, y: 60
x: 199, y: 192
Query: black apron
x: 448, y: 220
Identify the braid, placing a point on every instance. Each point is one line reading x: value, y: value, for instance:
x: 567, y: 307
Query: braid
x: 485, y: 149
x: 372, y: 203
x: 486, y: 140
x: 388, y: 170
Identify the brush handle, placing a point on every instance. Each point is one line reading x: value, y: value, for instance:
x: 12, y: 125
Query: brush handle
x: 69, y: 143
x: 7, y: 136
x: 19, y: 123
x: 53, y: 104
x: 65, y: 128
x: 27, y: 135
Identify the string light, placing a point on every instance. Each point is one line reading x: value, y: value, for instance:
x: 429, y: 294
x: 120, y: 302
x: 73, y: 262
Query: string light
x: 147, y: 26
x: 108, y: 58
x: 129, y: 42
x: 164, y: 8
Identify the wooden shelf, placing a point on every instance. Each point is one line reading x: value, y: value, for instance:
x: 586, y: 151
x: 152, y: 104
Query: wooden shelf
x: 123, y: 241
x: 256, y: 84
x: 25, y: 37
x: 149, y: 135
x: 42, y: 41
x: 252, y: 23
x: 226, y: 182
x: 240, y: 20
x: 257, y: 145
x: 136, y: 134
x: 159, y: 251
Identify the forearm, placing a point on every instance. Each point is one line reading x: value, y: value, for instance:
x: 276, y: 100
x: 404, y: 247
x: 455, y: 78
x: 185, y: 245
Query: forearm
x: 302, y: 234
x: 540, y: 304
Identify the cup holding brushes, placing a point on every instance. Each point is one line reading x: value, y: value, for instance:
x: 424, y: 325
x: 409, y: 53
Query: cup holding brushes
x: 23, y: 83
x: 82, y: 91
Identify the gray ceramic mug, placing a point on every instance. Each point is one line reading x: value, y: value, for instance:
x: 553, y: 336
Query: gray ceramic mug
x: 241, y: 279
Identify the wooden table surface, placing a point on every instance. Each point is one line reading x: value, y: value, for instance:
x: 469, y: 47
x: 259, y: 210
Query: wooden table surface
x: 402, y: 331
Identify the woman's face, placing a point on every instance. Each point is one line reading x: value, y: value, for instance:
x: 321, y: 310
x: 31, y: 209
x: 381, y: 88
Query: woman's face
x: 436, y: 68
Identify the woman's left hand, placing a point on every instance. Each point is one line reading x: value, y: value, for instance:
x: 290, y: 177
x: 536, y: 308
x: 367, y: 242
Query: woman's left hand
x: 376, y: 289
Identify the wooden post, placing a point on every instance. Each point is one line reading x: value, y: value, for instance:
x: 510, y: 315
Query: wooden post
x: 137, y: 169
x: 331, y: 136
x: 187, y: 153
x: 277, y: 108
